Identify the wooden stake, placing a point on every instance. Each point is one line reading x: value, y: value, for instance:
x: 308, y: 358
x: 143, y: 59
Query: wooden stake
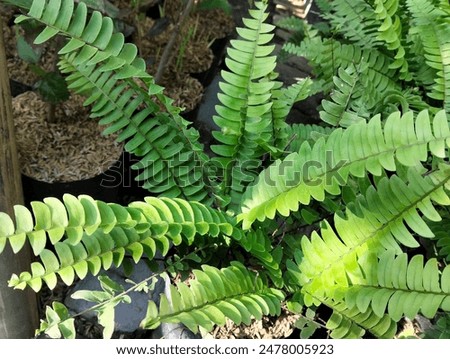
x: 18, y: 310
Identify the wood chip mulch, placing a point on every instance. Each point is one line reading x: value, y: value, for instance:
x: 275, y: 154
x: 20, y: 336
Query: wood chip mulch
x: 70, y: 149
x: 267, y: 328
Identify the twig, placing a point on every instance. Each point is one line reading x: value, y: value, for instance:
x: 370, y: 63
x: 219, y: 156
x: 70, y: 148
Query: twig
x: 167, y: 54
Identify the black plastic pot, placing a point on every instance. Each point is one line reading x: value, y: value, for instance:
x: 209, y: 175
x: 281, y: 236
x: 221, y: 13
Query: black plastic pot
x: 18, y: 88
x: 218, y: 48
x: 104, y: 187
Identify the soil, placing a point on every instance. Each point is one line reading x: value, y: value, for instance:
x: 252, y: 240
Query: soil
x: 192, y: 53
x: 280, y: 327
x: 73, y: 148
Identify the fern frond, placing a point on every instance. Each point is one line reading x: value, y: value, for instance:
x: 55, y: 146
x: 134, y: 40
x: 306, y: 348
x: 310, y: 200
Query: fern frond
x: 352, y: 323
x: 299, y: 133
x: 326, y: 165
x: 390, y: 32
x: 338, y: 112
x: 93, y: 36
x: 259, y: 245
x: 354, y: 20
x: 244, y: 113
x: 292, y: 23
x: 89, y: 235
x: 400, y: 286
x: 441, y: 231
x: 360, y: 266
x: 432, y: 27
x: 310, y: 48
x: 103, y: 67
x: 214, y: 295
x: 170, y: 164
x: 283, y: 101
x: 336, y: 260
x: 327, y: 56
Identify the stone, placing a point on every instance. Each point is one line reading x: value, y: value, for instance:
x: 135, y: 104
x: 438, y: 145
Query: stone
x: 127, y: 316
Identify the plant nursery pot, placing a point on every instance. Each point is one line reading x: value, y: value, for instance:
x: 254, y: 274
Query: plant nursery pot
x: 104, y: 187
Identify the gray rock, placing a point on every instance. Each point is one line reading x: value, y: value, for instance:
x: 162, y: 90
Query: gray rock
x: 206, y: 109
x: 127, y: 316
x: 174, y: 331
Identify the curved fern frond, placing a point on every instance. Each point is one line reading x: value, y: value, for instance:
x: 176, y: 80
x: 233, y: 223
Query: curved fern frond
x: 400, y: 287
x: 336, y: 260
x: 431, y: 24
x: 329, y: 55
x: 259, y: 245
x: 214, y: 295
x: 441, y: 231
x: 283, y: 101
x: 93, y: 36
x: 89, y: 235
x: 171, y: 162
x: 390, y: 32
x: 352, y: 323
x: 292, y: 23
x: 360, y: 269
x: 338, y: 112
x: 355, y: 20
x: 299, y: 133
x: 245, y: 104
x: 326, y: 166
x: 105, y: 68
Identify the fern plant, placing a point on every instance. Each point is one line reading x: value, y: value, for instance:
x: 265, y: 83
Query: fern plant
x: 401, y: 48
x: 366, y: 189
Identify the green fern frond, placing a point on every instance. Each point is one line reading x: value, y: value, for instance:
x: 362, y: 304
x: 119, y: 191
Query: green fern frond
x: 400, y: 287
x: 352, y: 323
x: 441, y: 231
x: 327, y: 56
x: 354, y: 20
x: 299, y: 133
x: 302, y: 49
x: 432, y: 27
x: 406, y: 100
x: 283, y: 100
x: 92, y: 35
x: 390, y: 32
x: 292, y: 23
x: 245, y: 104
x: 260, y: 246
x: 170, y: 164
x: 326, y: 166
x: 89, y: 235
x: 338, y: 112
x: 214, y: 295
x: 58, y: 322
x: 102, y: 66
x: 360, y: 267
x: 336, y: 260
